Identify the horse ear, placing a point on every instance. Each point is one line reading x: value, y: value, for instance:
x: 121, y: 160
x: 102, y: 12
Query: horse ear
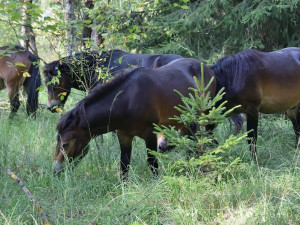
x: 60, y: 65
x: 63, y: 66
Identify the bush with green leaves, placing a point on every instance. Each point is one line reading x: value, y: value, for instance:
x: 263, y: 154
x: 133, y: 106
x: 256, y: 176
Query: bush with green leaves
x: 205, y: 154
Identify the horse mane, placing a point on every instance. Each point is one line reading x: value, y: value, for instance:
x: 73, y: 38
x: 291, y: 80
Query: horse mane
x: 71, y: 117
x: 229, y: 68
x: 49, y: 67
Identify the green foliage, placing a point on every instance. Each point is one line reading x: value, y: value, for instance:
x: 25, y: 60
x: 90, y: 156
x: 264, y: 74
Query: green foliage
x: 225, y: 27
x: 195, y: 28
x: 201, y: 29
x: 200, y: 109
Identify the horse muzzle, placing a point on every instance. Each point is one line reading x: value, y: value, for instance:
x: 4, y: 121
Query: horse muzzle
x: 57, y: 167
x: 53, y: 105
x: 162, y: 143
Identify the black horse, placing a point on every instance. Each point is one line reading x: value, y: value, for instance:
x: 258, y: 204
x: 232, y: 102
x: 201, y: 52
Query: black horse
x: 129, y: 103
x: 266, y: 82
x: 19, y: 67
x: 84, y: 70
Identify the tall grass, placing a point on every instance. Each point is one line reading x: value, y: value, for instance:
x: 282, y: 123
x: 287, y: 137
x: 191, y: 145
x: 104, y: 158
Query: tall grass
x: 268, y: 193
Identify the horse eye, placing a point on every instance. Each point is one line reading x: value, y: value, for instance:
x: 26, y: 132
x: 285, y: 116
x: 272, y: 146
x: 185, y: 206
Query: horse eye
x: 65, y: 145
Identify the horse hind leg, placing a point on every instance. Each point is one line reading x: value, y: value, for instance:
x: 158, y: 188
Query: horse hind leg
x: 294, y: 115
x: 13, y: 96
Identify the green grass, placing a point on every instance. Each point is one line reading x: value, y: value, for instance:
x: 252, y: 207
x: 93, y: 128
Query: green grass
x: 93, y: 194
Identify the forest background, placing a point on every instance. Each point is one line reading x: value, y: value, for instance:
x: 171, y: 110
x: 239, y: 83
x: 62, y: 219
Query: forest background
x: 199, y: 29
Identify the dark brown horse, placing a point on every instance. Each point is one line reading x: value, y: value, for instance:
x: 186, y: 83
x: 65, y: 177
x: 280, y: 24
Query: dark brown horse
x: 266, y: 82
x: 83, y: 71
x: 19, y: 67
x: 130, y: 103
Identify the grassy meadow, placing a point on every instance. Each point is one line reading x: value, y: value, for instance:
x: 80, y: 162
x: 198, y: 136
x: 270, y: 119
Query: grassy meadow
x: 93, y: 194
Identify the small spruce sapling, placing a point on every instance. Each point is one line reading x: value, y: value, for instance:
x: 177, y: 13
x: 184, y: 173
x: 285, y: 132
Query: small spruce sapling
x: 201, y: 109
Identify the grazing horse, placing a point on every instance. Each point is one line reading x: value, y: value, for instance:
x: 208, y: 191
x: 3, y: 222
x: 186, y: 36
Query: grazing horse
x: 19, y: 67
x: 130, y: 103
x: 83, y: 71
x: 266, y: 82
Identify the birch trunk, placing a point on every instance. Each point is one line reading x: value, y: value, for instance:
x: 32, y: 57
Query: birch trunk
x: 26, y: 29
x: 70, y: 31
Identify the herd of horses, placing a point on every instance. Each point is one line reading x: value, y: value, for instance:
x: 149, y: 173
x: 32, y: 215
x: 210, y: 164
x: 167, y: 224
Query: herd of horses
x: 141, y: 93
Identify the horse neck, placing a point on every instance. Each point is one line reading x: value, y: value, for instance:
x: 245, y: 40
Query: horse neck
x: 83, y: 80
x: 105, y: 114
x: 81, y: 83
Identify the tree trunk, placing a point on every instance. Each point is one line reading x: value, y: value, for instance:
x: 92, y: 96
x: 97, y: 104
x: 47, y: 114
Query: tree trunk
x: 70, y: 16
x: 27, y: 33
x: 99, y: 40
x: 87, y: 30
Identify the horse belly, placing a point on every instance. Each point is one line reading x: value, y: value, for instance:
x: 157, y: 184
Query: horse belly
x: 275, y: 104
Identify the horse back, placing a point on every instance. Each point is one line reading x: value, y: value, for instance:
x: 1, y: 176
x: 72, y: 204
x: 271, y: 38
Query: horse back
x: 154, y: 89
x: 124, y: 60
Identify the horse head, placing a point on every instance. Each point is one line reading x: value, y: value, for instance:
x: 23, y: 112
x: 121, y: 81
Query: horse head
x: 72, y: 140
x: 58, y: 83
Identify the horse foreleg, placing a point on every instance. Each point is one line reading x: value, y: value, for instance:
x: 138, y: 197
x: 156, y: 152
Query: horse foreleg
x: 125, y: 145
x: 13, y: 96
x: 252, y: 123
x: 151, y: 144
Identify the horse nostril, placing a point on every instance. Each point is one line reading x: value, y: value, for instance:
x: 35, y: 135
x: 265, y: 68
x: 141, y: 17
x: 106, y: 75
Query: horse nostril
x: 162, y: 147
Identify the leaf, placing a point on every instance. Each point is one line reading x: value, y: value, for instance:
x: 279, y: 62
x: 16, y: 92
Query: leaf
x: 87, y: 21
x: 120, y: 60
x: 26, y: 74
x: 59, y: 110
x: 19, y: 64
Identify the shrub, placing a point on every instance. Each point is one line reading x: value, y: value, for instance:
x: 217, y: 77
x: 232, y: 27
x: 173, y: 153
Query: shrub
x: 204, y: 153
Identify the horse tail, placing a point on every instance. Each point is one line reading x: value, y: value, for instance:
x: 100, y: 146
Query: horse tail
x: 238, y: 121
x: 33, y: 85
